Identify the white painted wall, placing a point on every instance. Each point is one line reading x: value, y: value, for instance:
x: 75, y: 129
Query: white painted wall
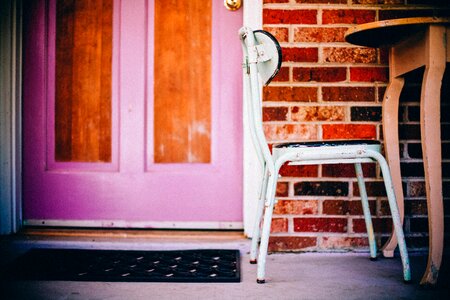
x: 10, y: 112
x: 252, y: 166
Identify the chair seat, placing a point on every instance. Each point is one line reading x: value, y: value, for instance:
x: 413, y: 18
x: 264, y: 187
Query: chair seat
x: 328, y: 143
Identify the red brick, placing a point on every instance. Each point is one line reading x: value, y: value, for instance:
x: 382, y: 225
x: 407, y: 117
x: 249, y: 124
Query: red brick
x: 289, y: 93
x: 335, y: 242
x: 419, y: 224
x: 412, y: 208
x: 279, y: 225
x: 320, y: 74
x: 384, y: 56
x: 319, y: 35
x: 300, y: 54
x: 369, y: 74
x: 415, y: 189
x: 282, y: 16
x: 383, y: 225
x: 320, y: 224
x: 346, y: 93
x: 387, y: 2
x: 296, y: 207
x: 275, y: 1
x: 299, y: 171
x: 275, y: 113
x: 282, y: 189
x: 401, y: 13
x: 283, y: 75
x: 282, y: 132
x: 350, y: 55
x: 348, y: 131
x: 348, y: 170
x: 322, y: 1
x: 381, y: 91
x: 317, y: 113
x: 345, y: 207
x: 373, y: 188
x: 321, y: 188
x: 365, y: 113
x: 348, y: 16
x: 417, y: 242
x: 280, y: 33
x: 291, y: 243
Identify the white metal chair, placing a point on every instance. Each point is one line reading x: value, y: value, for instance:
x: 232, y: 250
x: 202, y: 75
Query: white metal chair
x: 262, y: 60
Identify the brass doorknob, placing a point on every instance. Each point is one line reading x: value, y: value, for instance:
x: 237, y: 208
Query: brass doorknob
x: 232, y: 4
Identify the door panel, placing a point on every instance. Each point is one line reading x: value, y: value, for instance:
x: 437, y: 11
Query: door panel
x: 92, y: 152
x: 83, y: 69
x: 182, y: 70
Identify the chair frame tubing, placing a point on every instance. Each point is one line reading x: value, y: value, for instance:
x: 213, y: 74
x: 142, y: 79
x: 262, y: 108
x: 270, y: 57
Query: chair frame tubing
x: 272, y: 163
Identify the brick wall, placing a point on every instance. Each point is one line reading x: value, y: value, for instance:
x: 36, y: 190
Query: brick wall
x: 329, y: 89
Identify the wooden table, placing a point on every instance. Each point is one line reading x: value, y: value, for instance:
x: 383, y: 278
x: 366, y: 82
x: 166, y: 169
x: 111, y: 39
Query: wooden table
x: 414, y: 43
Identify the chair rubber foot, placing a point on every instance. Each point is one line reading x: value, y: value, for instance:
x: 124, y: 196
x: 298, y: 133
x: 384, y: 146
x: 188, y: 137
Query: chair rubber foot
x: 409, y: 281
x: 373, y: 258
x: 253, y: 261
x: 260, y: 281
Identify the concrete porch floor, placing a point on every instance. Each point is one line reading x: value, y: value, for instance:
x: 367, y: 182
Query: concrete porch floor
x: 347, y: 275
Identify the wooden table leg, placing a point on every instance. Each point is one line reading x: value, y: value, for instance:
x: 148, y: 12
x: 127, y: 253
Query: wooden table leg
x: 431, y: 148
x: 391, y: 147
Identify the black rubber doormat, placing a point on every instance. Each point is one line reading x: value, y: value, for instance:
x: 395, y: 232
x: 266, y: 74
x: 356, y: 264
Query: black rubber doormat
x: 127, y: 266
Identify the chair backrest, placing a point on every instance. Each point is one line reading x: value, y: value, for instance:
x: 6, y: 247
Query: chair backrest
x: 262, y: 61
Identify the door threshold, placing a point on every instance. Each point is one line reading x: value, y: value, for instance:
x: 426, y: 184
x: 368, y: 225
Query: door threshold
x: 114, y: 233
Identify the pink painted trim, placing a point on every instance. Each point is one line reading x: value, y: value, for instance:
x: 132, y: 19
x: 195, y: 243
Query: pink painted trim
x: 51, y: 164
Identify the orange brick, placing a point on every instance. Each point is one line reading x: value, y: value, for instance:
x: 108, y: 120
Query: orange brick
x: 282, y: 189
x: 335, y: 242
x: 289, y: 93
x: 279, y: 225
x: 350, y: 55
x: 317, y: 113
x: 291, y: 243
x: 280, y: 33
x: 348, y: 131
x: 296, y: 207
x: 282, y: 132
x: 318, y: 35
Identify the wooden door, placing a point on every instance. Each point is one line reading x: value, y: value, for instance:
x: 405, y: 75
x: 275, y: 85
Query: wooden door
x: 132, y: 114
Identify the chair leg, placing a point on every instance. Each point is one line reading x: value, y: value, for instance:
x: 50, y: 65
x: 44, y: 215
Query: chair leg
x: 257, y: 224
x: 271, y: 188
x: 390, y: 134
x: 366, y: 210
x: 396, y: 219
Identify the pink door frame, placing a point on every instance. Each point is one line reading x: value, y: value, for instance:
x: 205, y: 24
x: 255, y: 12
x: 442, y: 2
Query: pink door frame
x: 131, y: 191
